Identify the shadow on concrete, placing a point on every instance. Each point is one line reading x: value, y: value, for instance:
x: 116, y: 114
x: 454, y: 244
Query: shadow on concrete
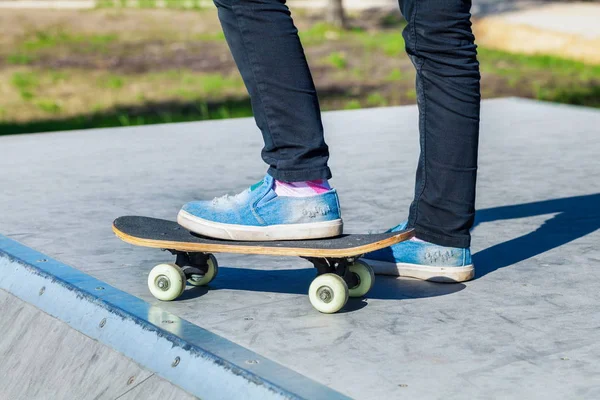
x: 575, y: 217
x: 297, y: 281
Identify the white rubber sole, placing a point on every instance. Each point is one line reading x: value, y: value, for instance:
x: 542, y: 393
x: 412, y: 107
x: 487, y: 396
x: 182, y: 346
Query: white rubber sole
x: 316, y: 230
x: 426, y: 273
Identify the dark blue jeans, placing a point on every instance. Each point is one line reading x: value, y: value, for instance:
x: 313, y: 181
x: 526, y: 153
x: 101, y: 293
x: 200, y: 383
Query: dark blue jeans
x: 265, y: 45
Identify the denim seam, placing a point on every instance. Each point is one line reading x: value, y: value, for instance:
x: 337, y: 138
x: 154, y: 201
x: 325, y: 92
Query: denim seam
x: 423, y: 119
x: 414, y: 28
x: 253, y: 69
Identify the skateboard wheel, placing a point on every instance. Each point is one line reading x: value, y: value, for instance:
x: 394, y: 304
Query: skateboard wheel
x: 213, y: 270
x: 328, y: 293
x: 366, y: 278
x: 166, y: 282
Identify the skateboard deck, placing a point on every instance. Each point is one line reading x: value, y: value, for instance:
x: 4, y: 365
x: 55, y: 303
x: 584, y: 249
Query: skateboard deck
x: 340, y: 273
x: 160, y: 233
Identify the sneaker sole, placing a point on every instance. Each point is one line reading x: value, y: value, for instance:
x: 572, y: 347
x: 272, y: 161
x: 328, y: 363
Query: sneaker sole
x: 424, y: 272
x: 316, y: 230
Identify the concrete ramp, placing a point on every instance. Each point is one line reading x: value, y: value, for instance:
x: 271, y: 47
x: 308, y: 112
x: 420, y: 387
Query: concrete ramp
x: 527, y: 326
x: 43, y: 357
x: 67, y: 335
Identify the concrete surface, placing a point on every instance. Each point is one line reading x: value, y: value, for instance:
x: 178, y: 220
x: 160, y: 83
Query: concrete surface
x: 571, y: 18
x: 567, y: 30
x: 38, y: 351
x: 200, y: 362
x: 526, y: 327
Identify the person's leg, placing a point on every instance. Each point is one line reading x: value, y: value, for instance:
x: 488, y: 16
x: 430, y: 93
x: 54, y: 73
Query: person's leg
x: 294, y: 200
x: 441, y: 45
x: 265, y: 45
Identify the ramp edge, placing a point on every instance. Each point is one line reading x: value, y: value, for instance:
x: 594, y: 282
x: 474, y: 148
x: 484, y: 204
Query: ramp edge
x: 195, y: 359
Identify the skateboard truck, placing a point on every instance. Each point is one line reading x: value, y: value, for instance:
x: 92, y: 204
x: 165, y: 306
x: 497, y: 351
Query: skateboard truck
x: 194, y: 265
x: 338, y: 266
x: 337, y: 277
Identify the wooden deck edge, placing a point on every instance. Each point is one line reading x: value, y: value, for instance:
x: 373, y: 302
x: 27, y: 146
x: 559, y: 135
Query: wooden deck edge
x: 261, y: 250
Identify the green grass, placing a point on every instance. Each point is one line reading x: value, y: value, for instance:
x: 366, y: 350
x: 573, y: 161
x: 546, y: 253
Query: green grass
x: 372, y: 66
x: 578, y: 95
x: 112, y: 82
x: 188, y: 85
x: 25, y: 83
x: 390, y: 43
x: 358, y: 73
x: 376, y: 100
x: 352, y: 105
x: 146, y: 3
x: 337, y: 60
x: 150, y: 114
x: 214, y: 84
x: 19, y: 59
x: 42, y: 40
x: 395, y: 75
x: 211, y: 37
x: 48, y: 105
x: 48, y: 42
x: 58, y: 76
x: 320, y: 32
x: 509, y: 64
x: 559, y: 80
x: 393, y: 20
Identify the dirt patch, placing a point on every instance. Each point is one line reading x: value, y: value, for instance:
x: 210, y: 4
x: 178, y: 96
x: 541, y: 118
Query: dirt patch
x: 129, y: 24
x: 166, y: 65
x: 147, y: 56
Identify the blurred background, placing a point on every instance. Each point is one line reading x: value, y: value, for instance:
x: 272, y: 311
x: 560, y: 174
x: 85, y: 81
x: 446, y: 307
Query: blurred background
x: 74, y: 64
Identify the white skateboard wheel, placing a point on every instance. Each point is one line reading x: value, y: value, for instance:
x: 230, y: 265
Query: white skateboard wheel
x: 166, y: 282
x: 328, y: 293
x: 366, y: 278
x: 213, y: 270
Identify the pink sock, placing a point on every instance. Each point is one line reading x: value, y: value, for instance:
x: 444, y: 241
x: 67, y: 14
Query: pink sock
x: 301, y: 189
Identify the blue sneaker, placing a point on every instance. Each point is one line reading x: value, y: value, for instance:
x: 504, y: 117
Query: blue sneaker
x: 422, y: 260
x: 259, y: 214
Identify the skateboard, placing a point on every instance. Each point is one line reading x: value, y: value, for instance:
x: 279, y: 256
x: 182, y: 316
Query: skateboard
x: 340, y: 272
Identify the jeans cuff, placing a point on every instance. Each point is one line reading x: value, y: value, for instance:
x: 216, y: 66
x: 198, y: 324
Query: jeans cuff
x: 300, y: 175
x: 461, y: 241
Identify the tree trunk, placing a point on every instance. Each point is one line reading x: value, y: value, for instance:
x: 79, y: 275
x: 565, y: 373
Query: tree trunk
x: 335, y: 13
